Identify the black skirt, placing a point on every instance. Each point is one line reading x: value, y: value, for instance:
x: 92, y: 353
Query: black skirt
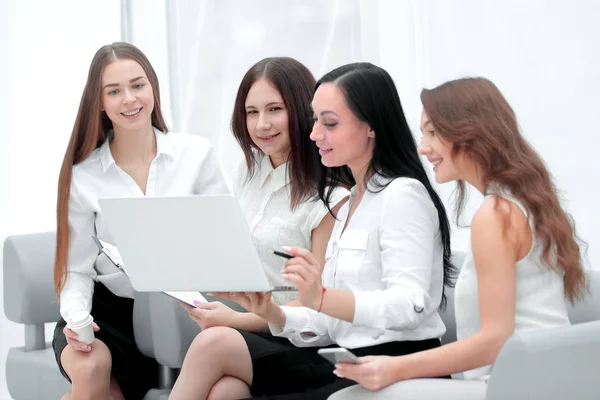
x: 135, y: 373
x: 284, y: 371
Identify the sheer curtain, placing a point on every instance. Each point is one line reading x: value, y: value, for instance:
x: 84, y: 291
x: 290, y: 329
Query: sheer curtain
x: 541, y: 53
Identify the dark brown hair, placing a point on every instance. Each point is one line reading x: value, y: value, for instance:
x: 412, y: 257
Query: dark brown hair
x: 90, y: 132
x: 296, y: 84
x: 473, y: 115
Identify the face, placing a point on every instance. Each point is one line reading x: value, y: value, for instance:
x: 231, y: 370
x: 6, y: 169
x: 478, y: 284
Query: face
x: 267, y: 121
x: 341, y: 137
x: 438, y: 152
x: 127, y: 96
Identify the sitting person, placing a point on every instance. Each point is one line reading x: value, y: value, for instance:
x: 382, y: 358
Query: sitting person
x: 524, y: 260
x: 275, y: 183
x: 386, y: 263
x: 120, y: 147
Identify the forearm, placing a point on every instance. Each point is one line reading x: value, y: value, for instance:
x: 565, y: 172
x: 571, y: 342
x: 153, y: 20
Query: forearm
x: 470, y: 353
x: 336, y: 303
x: 250, y: 322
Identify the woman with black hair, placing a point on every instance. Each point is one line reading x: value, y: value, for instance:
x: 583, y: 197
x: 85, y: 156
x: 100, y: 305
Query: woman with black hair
x: 386, y: 262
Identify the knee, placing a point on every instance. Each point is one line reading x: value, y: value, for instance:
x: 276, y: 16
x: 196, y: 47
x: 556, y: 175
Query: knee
x: 212, y: 341
x: 92, y: 365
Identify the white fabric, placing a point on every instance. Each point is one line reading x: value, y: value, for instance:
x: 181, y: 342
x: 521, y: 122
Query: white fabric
x: 540, y: 296
x: 184, y: 165
x: 265, y: 199
x: 418, y: 389
x: 391, y: 258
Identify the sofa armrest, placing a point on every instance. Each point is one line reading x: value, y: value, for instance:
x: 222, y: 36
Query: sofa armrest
x: 553, y: 364
x: 29, y: 296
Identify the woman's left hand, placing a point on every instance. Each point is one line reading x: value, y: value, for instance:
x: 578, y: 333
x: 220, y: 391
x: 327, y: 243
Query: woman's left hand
x: 305, y: 271
x: 259, y: 303
x: 374, y: 373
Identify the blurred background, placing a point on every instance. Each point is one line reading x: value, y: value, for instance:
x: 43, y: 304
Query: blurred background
x: 542, y: 54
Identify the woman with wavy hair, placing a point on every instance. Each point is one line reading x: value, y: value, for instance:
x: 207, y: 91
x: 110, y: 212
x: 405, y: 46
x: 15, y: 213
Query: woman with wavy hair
x: 525, y: 260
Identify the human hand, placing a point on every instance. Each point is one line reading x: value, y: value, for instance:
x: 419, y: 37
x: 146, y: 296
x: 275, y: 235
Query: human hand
x: 207, y: 315
x: 374, y: 373
x: 259, y: 303
x: 76, y: 344
x: 305, y: 271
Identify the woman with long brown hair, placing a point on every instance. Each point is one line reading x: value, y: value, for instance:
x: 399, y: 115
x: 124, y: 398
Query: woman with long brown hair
x: 119, y: 147
x: 525, y: 261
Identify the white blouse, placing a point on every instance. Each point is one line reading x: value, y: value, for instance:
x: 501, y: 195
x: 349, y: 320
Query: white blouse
x: 391, y: 258
x: 184, y: 164
x: 540, y: 295
x: 265, y: 200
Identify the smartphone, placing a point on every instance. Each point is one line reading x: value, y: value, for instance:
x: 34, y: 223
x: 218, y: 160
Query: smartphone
x: 339, y: 355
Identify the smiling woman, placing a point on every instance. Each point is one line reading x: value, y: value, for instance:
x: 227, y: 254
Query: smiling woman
x: 119, y: 148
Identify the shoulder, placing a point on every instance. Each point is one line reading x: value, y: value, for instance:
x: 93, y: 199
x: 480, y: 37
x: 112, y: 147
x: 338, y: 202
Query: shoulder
x: 409, y: 197
x: 498, y: 212
x: 92, y: 165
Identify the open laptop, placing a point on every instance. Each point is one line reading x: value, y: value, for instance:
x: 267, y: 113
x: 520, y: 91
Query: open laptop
x: 190, y: 243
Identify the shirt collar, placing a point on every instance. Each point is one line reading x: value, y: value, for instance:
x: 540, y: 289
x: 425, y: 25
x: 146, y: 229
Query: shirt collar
x: 279, y: 176
x: 163, y: 146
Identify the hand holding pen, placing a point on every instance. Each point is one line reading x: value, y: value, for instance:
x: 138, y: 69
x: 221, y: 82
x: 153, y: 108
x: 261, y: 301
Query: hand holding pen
x: 305, y: 271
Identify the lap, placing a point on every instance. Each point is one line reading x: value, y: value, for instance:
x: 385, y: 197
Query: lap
x: 134, y: 372
x: 419, y: 389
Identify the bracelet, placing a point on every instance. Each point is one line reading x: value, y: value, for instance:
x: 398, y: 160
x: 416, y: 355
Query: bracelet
x: 322, y: 297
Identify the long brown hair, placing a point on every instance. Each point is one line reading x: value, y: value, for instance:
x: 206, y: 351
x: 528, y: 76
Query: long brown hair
x: 296, y: 84
x: 474, y: 116
x: 90, y: 132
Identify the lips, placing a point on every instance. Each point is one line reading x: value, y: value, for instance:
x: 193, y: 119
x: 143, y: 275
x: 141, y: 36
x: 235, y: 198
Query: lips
x: 268, y: 138
x: 132, y: 113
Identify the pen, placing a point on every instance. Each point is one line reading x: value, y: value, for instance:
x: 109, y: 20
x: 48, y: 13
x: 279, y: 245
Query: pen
x: 280, y: 254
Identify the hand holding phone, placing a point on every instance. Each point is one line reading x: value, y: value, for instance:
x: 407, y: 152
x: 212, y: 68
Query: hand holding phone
x: 339, y: 355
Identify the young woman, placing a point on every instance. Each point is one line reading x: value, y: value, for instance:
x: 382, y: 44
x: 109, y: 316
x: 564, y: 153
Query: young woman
x: 119, y: 147
x: 524, y: 260
x: 276, y: 183
x: 386, y: 262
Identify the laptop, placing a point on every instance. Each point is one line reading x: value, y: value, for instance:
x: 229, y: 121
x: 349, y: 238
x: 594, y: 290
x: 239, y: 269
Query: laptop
x: 190, y: 243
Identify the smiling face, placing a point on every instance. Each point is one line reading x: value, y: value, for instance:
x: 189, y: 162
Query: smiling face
x: 267, y: 121
x: 438, y: 151
x: 341, y: 137
x: 127, y: 96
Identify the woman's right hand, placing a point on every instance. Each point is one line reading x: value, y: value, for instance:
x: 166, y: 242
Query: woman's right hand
x: 259, y: 303
x: 76, y: 344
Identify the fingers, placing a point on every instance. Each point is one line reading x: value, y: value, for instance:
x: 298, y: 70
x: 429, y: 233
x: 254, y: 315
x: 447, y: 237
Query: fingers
x: 74, y: 343
x: 300, y: 252
x: 95, y: 327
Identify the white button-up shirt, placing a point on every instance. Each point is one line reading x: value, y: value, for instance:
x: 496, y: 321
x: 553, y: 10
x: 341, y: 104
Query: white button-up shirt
x: 265, y: 200
x: 184, y: 164
x: 391, y: 258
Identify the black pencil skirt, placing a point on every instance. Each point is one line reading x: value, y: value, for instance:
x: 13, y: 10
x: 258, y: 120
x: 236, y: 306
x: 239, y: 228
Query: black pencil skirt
x: 134, y: 372
x: 284, y: 371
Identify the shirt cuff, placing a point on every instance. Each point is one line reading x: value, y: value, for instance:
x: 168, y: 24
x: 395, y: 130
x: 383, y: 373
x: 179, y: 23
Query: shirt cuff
x: 365, y: 308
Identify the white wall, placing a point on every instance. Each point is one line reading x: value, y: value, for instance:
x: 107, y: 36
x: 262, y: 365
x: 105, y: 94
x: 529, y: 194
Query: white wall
x: 46, y: 49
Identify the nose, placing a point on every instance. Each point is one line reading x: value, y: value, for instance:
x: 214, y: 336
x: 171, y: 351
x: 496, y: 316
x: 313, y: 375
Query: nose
x: 129, y: 97
x: 316, y: 133
x: 424, y: 148
x: 262, y: 122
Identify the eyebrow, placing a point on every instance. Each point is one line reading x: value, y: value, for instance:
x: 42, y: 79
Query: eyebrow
x: 328, y: 112
x: 268, y: 104
x: 130, y: 81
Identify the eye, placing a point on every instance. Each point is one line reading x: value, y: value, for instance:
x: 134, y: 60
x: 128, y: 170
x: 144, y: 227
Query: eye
x: 138, y: 86
x: 431, y: 132
x: 330, y: 125
x: 275, y: 109
x: 113, y: 92
x: 251, y: 112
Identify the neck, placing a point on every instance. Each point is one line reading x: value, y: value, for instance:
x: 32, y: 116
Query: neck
x: 278, y: 159
x: 132, y: 146
x: 473, y: 178
x: 359, y: 174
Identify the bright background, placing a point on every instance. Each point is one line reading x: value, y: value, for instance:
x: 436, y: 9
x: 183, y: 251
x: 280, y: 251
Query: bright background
x: 543, y: 54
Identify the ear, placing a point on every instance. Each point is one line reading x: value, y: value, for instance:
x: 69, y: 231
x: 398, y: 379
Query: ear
x: 371, y: 133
